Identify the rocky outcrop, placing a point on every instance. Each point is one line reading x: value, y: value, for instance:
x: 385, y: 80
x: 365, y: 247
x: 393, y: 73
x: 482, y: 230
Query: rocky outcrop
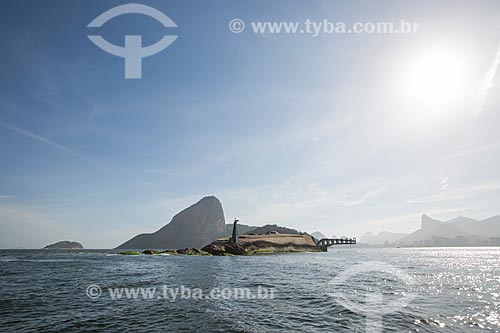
x: 192, y: 252
x: 130, y: 253
x: 150, y: 252
x: 186, y: 251
x: 225, y: 248
x: 65, y: 245
x: 194, y: 227
x: 268, y: 243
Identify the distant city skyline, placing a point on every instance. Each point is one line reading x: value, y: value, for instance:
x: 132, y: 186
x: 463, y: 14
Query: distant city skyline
x: 342, y: 134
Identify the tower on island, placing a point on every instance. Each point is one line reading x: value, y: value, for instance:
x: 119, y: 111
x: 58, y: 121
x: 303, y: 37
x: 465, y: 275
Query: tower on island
x: 234, y: 237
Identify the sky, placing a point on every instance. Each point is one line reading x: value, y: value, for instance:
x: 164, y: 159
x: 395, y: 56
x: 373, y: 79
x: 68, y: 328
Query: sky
x: 341, y: 133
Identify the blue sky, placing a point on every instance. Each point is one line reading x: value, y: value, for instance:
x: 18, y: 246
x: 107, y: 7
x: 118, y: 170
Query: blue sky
x: 315, y: 133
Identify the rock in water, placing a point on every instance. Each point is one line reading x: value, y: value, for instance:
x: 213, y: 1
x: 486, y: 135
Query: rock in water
x: 193, y: 252
x: 194, y: 227
x: 65, y: 245
x: 221, y: 249
x: 150, y: 252
x: 267, y: 243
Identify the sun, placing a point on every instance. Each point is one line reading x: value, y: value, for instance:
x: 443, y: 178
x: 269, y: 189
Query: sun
x: 435, y: 81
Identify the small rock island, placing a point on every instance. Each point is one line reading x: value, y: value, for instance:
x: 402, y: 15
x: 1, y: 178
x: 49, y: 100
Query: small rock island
x: 65, y: 245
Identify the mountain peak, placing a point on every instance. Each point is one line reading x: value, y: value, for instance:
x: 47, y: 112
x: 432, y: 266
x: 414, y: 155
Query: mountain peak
x: 195, y: 226
x: 209, y: 198
x: 429, y: 223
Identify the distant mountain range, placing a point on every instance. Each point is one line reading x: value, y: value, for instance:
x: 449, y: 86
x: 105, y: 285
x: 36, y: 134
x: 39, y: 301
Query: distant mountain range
x: 461, y: 231
x: 383, y: 238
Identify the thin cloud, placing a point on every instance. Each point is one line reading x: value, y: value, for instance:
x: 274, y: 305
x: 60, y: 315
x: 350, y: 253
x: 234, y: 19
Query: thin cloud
x: 484, y: 86
x: 458, y: 193
x: 444, y: 183
x: 472, y: 151
x: 362, y: 200
x: 49, y: 142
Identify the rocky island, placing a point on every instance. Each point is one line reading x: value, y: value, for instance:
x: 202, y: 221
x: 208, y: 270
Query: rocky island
x: 271, y: 242
x: 65, y: 245
x: 203, y: 223
x: 266, y: 243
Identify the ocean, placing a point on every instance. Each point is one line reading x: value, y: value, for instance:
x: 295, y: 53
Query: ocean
x: 347, y: 289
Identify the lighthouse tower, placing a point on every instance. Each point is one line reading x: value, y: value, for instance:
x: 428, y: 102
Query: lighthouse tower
x: 234, y: 237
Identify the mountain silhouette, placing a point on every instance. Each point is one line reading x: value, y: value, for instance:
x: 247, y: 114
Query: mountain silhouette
x: 431, y: 228
x: 460, y: 231
x: 195, y: 226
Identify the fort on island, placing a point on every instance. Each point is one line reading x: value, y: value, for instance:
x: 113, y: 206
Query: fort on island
x: 203, y: 223
x: 252, y: 244
x: 271, y: 242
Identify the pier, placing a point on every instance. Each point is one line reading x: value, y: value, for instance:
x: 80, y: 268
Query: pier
x: 326, y: 242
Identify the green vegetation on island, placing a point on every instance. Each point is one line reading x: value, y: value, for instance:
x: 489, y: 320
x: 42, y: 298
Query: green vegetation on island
x: 65, y: 245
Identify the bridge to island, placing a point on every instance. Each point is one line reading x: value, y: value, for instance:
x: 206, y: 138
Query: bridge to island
x: 326, y: 242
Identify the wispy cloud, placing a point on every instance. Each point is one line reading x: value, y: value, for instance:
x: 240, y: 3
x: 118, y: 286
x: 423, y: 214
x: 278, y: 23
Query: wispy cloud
x: 444, y: 183
x: 489, y: 147
x: 458, y: 193
x: 49, y: 142
x: 362, y: 199
x: 484, y: 86
x: 5, y: 197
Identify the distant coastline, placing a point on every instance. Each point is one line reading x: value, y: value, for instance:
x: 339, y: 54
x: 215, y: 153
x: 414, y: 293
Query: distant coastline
x: 458, y: 232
